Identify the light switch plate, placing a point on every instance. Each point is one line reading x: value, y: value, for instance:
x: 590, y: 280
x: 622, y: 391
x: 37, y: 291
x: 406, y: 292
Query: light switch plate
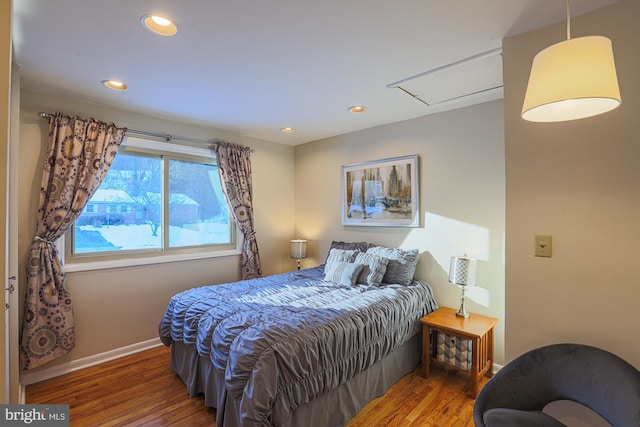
x: 543, y: 245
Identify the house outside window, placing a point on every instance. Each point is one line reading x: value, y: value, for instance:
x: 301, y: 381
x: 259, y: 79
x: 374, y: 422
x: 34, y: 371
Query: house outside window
x: 154, y: 202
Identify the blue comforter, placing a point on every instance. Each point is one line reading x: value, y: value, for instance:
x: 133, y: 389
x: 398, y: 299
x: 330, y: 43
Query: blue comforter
x: 281, y: 341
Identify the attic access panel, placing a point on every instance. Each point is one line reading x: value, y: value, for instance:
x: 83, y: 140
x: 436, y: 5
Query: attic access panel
x: 476, y: 74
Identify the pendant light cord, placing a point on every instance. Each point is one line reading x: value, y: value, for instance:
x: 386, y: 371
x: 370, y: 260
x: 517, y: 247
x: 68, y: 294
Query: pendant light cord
x: 568, y: 19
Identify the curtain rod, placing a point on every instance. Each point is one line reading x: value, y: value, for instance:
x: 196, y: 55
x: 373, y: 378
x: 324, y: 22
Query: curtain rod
x: 160, y: 136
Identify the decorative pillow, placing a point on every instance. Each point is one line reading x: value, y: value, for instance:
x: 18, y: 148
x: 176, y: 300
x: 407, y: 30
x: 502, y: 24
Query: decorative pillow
x: 402, y: 263
x: 349, y: 246
x: 574, y: 414
x: 343, y: 273
x: 373, y: 268
x: 340, y: 255
x: 506, y: 417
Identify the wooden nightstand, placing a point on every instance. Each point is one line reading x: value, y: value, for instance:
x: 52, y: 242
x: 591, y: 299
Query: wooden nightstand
x: 477, y: 328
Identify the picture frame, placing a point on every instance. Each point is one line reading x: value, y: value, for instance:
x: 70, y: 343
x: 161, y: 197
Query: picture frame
x: 391, y: 193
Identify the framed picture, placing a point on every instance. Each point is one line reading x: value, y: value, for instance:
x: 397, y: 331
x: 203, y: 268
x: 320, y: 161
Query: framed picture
x: 381, y: 193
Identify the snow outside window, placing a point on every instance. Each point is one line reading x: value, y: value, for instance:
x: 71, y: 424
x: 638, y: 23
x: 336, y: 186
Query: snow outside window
x: 154, y: 202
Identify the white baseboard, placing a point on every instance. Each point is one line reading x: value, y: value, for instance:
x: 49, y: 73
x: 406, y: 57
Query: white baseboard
x: 496, y: 367
x: 64, y: 368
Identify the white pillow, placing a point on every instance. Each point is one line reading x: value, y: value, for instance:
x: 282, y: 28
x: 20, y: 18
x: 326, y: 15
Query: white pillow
x: 343, y: 273
x: 344, y: 255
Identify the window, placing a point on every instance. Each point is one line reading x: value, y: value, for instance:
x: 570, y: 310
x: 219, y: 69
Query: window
x: 152, y: 203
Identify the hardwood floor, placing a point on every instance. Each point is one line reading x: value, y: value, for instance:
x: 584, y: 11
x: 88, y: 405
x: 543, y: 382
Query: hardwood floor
x: 141, y: 390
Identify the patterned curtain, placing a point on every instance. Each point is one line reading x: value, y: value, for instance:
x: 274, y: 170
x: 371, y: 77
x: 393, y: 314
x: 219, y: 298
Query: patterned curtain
x: 79, y: 155
x: 234, y: 167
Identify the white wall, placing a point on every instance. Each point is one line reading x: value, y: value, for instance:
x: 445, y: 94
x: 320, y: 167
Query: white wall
x: 580, y: 182
x: 462, y: 189
x: 120, y: 307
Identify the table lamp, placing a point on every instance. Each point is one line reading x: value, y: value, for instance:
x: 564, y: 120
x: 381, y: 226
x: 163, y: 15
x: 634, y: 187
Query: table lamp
x: 462, y: 272
x: 298, y: 250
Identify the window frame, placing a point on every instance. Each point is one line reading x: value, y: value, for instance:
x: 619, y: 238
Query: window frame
x: 96, y: 261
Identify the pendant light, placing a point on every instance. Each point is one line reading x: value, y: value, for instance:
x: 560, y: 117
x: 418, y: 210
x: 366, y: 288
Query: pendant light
x: 572, y: 80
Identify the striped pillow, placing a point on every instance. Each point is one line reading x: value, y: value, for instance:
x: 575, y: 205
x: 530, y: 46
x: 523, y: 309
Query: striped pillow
x: 343, y: 273
x: 343, y: 255
x: 402, y: 263
x: 373, y: 269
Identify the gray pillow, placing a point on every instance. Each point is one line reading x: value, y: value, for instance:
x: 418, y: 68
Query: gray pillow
x: 402, y: 263
x: 574, y: 414
x: 373, y: 269
x: 343, y: 273
x: 505, y: 417
x: 358, y: 246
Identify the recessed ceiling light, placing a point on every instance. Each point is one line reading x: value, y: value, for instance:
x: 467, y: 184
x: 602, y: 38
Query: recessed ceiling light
x: 357, y: 109
x: 287, y: 130
x: 115, y: 84
x: 159, y: 25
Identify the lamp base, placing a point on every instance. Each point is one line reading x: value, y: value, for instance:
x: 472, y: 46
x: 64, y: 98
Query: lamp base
x: 462, y: 311
x: 462, y: 314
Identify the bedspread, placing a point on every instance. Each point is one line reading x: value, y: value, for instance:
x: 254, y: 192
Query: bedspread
x: 283, y: 340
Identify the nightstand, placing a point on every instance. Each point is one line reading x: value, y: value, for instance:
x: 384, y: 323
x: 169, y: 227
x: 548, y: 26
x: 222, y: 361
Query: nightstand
x: 477, y: 328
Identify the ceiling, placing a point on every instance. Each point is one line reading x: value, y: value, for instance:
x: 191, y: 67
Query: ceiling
x: 256, y: 66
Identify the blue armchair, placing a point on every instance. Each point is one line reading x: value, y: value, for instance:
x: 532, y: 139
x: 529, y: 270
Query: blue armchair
x: 589, y: 376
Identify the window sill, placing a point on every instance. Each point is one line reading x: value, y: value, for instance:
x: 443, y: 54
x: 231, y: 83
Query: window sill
x: 72, y: 267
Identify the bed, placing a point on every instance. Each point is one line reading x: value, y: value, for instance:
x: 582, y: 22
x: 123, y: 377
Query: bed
x: 308, y: 347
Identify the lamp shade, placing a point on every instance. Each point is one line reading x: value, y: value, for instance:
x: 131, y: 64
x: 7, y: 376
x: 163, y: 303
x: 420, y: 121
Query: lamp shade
x: 572, y: 80
x: 462, y: 271
x: 298, y: 249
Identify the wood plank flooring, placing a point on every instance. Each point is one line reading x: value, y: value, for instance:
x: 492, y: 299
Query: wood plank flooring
x: 141, y: 390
